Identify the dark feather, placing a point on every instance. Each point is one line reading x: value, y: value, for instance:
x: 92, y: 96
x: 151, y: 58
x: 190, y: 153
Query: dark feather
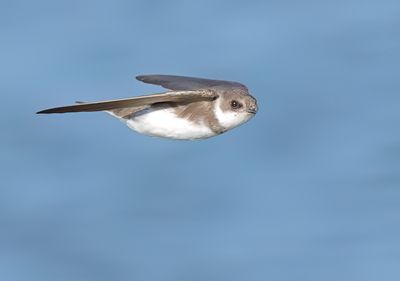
x: 179, y: 83
x: 178, y: 96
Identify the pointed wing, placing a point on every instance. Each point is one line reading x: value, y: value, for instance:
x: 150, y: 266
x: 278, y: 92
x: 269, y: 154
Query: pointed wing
x: 178, y: 96
x: 178, y: 83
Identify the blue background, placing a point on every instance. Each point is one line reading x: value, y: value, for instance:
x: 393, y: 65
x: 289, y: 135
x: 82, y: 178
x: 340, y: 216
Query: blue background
x: 307, y: 190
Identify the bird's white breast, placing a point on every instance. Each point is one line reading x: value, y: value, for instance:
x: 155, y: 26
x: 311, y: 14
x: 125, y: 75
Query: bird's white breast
x: 165, y: 123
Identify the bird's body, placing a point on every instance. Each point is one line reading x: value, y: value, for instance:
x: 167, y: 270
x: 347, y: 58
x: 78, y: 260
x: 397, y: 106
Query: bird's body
x: 196, y: 108
x: 164, y: 122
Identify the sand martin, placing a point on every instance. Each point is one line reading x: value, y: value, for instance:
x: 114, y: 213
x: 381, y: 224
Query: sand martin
x: 194, y: 108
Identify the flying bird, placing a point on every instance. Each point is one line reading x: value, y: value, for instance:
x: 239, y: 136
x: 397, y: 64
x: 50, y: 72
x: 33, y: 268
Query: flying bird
x: 193, y: 108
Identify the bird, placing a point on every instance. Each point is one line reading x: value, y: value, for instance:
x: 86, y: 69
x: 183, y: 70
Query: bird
x: 192, y: 108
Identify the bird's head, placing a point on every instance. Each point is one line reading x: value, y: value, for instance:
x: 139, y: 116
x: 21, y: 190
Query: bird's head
x: 233, y: 108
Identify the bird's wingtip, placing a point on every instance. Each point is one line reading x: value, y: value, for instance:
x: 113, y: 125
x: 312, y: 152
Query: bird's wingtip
x: 42, y: 111
x: 146, y: 77
x: 138, y: 77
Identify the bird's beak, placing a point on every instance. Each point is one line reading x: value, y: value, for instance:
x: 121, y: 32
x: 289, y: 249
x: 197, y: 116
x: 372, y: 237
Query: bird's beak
x: 252, y: 109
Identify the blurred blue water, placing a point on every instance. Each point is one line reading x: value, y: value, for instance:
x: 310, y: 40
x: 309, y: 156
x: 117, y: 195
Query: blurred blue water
x: 308, y: 190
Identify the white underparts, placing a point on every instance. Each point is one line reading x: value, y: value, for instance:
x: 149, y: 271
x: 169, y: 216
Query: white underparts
x: 164, y: 123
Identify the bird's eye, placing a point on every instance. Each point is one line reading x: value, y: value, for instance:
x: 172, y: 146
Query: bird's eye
x: 235, y: 104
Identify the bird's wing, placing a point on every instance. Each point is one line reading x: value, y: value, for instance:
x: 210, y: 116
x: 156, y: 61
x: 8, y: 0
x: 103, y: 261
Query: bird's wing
x: 178, y: 83
x: 176, y: 96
